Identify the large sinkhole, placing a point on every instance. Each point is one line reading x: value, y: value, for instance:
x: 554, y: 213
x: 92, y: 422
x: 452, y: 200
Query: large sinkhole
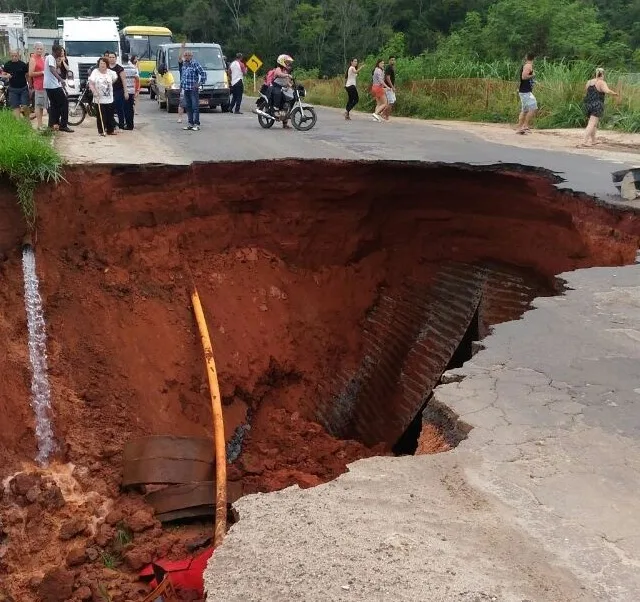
x: 337, y: 294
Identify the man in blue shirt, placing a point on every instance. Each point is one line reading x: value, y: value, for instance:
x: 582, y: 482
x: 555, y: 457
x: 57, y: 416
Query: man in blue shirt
x: 192, y: 76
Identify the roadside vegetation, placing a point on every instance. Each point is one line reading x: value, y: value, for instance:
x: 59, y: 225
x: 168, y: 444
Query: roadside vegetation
x: 431, y: 88
x: 27, y: 158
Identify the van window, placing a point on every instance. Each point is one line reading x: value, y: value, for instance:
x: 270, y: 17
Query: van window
x: 90, y: 48
x: 208, y: 56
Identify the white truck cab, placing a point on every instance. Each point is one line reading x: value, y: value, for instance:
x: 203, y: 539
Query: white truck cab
x: 85, y: 40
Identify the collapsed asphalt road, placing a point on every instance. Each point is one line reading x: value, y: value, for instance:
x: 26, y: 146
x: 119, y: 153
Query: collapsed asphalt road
x: 539, y: 503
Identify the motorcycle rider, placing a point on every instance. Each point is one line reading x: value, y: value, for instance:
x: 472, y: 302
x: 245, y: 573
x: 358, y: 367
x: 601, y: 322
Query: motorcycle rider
x: 281, y: 79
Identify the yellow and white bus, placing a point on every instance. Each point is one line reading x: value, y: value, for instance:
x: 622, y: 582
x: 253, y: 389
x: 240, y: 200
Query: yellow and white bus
x: 142, y: 41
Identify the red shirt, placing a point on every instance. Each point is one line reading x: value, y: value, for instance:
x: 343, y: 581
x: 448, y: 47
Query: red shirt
x: 38, y: 80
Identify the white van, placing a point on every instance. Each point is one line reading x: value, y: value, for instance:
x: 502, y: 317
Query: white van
x: 85, y: 40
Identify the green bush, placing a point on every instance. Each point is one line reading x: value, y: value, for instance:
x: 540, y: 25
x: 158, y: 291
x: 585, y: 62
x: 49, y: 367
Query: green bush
x: 27, y: 158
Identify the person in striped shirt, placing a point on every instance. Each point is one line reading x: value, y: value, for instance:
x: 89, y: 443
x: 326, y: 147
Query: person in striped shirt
x: 132, y: 77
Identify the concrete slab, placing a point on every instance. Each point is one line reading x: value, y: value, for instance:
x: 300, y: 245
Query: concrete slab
x: 539, y: 503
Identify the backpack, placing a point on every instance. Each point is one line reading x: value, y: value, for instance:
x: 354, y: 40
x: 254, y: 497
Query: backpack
x: 270, y: 77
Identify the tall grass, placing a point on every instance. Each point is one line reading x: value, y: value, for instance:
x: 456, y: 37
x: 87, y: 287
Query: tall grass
x: 434, y: 87
x: 27, y: 159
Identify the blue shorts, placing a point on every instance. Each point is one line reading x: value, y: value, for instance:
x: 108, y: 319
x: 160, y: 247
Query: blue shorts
x: 18, y: 97
x: 528, y: 102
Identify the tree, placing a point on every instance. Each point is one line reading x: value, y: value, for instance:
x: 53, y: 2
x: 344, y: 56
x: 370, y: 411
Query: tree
x: 235, y: 9
x: 311, y: 29
x: 349, y: 20
x: 327, y: 33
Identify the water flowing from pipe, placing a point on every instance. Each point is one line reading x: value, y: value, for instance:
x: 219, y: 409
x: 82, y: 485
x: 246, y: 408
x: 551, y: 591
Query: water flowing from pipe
x: 40, y: 390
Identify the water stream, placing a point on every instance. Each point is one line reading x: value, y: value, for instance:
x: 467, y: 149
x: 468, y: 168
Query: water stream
x: 40, y: 390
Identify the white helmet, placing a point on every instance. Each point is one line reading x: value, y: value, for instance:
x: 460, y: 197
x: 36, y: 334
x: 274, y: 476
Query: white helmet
x: 284, y: 60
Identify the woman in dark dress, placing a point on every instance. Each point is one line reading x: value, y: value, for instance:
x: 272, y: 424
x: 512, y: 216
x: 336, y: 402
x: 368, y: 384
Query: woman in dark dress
x: 596, y: 89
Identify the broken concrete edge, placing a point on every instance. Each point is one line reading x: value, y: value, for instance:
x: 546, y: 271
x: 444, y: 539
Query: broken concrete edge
x: 534, y: 460
x: 610, y: 200
x: 483, y: 394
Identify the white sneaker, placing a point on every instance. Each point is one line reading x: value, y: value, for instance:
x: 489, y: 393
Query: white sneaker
x: 196, y: 128
x: 376, y: 116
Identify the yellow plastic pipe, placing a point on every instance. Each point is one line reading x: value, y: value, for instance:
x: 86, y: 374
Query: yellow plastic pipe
x: 218, y: 423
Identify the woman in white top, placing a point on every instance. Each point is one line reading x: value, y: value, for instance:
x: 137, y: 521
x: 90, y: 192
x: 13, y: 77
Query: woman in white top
x: 379, y: 90
x: 101, y: 84
x: 351, y: 81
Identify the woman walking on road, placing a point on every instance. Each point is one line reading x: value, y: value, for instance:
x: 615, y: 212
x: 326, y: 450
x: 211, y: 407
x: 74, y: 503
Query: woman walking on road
x: 379, y: 90
x: 350, y: 85
x: 101, y: 83
x: 596, y: 89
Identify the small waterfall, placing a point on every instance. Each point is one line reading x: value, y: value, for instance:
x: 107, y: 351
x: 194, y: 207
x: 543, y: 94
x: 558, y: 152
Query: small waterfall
x: 40, y: 390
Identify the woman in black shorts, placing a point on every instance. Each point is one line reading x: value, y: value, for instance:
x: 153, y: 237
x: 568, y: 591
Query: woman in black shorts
x: 594, y: 104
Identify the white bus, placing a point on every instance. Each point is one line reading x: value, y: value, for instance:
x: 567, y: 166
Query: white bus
x: 85, y: 40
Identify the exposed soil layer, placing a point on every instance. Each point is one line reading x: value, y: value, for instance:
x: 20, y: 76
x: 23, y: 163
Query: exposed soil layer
x: 290, y: 259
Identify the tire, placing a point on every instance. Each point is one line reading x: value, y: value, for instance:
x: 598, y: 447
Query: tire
x: 303, y: 122
x: 171, y: 108
x: 265, y: 123
x: 77, y: 112
x: 225, y: 107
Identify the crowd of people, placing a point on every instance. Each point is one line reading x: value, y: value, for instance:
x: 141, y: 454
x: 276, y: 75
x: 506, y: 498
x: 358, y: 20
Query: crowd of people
x: 114, y: 86
x: 383, y: 88
x: 40, y: 85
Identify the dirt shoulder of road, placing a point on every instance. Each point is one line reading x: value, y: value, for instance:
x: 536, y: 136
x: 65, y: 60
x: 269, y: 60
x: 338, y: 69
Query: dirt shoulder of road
x: 86, y: 146
x: 609, y: 142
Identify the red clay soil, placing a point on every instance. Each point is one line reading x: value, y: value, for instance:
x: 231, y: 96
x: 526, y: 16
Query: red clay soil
x: 286, y: 273
x: 431, y: 441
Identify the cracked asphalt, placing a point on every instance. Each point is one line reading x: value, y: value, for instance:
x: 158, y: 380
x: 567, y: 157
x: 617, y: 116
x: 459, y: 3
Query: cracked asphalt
x: 539, y: 504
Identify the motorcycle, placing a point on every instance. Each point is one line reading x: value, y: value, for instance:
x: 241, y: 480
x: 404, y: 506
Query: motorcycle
x: 302, y: 115
x: 81, y: 106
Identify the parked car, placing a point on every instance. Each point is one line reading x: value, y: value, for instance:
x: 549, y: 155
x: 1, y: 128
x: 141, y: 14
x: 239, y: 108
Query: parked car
x: 165, y: 82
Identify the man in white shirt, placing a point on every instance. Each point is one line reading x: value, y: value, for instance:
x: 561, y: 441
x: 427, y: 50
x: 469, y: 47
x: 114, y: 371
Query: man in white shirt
x: 54, y: 85
x: 237, y: 70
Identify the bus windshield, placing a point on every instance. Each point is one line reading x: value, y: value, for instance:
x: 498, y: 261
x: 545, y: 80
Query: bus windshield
x: 145, y: 46
x: 91, y: 49
x: 209, y: 57
x: 155, y: 41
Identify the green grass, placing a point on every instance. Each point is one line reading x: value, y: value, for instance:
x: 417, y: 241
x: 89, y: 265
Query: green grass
x: 27, y: 159
x: 431, y: 87
x: 123, y: 537
x: 111, y: 560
